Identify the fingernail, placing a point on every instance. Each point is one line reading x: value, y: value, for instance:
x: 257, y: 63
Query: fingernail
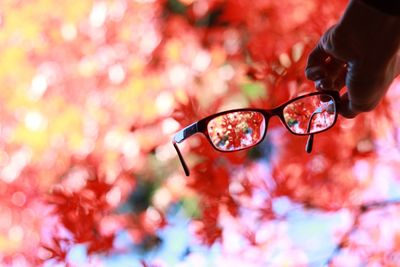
x: 323, y: 84
x: 328, y: 59
x: 318, y: 85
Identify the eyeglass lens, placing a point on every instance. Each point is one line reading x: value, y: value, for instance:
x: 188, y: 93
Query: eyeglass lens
x: 236, y: 130
x: 310, y: 114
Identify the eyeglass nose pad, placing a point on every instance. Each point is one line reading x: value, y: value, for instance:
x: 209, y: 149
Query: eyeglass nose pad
x: 309, y: 144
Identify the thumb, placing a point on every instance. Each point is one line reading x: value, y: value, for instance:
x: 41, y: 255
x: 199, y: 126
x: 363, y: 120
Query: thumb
x: 345, y: 107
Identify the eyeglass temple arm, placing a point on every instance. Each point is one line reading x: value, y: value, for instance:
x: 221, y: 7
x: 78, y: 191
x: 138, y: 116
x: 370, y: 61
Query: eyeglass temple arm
x: 309, y: 144
x: 183, y: 163
x: 310, y: 140
x: 180, y: 137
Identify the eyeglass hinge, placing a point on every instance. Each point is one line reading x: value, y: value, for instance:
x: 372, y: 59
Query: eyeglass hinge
x: 185, y: 133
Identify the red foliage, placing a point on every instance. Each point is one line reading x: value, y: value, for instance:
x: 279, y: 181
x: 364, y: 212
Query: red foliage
x: 80, y: 213
x: 114, y: 86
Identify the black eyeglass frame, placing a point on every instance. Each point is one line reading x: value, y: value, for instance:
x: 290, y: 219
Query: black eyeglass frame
x: 201, y: 125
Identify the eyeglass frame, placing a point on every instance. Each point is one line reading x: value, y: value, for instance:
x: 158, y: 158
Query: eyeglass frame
x: 201, y: 125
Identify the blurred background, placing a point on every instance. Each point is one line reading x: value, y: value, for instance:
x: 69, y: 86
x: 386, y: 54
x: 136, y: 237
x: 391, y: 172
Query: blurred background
x: 91, y: 93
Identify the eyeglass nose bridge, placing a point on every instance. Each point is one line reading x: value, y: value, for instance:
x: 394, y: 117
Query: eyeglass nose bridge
x: 275, y: 112
x: 271, y: 113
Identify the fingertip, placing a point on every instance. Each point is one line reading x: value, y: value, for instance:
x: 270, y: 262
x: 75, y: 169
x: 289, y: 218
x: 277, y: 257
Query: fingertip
x: 317, y: 56
x: 324, y: 84
x: 347, y: 114
x: 315, y: 73
x: 345, y: 107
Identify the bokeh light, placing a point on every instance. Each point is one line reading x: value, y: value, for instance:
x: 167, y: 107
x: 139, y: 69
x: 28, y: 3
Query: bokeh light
x: 91, y: 94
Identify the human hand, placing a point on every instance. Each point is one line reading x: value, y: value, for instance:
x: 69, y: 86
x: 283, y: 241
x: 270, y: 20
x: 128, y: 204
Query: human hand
x: 362, y: 52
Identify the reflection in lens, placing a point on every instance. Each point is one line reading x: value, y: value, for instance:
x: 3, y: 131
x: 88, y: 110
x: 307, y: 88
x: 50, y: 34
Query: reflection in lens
x: 236, y: 130
x: 310, y: 114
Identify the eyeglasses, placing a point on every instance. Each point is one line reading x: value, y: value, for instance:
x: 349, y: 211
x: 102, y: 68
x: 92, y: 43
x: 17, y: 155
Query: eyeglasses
x: 239, y: 129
